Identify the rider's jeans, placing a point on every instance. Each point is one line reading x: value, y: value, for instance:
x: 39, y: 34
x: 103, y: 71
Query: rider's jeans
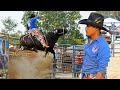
x: 39, y: 35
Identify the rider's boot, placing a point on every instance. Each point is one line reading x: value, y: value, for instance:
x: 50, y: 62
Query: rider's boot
x: 46, y: 46
x: 43, y: 43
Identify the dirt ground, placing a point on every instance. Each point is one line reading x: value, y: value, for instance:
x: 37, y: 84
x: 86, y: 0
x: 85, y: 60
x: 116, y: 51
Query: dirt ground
x: 113, y: 71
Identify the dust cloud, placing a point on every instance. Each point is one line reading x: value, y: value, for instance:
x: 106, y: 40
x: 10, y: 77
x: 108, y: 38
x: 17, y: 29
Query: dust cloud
x: 29, y: 65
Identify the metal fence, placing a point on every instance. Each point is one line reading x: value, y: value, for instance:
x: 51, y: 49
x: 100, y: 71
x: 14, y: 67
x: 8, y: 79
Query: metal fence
x: 4, y: 54
x: 65, y: 56
x: 115, y: 49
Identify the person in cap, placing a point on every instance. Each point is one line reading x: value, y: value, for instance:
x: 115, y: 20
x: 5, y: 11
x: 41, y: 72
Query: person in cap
x: 97, y: 51
x: 32, y: 29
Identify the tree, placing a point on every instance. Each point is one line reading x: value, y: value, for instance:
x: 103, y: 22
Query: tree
x: 58, y: 19
x: 14, y: 39
x: 9, y: 25
x: 109, y: 12
x: 19, y: 32
x: 4, y: 31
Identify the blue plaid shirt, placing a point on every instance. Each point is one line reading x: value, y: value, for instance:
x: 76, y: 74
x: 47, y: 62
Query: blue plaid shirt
x: 97, y: 56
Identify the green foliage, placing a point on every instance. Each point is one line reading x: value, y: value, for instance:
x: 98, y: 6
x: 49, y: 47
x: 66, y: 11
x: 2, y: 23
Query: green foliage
x: 9, y: 25
x: 14, y: 39
x: 14, y: 42
x: 109, y: 12
x: 15, y: 35
x: 59, y: 19
x: 74, y: 38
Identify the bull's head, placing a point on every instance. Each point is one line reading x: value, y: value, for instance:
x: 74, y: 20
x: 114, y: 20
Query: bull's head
x: 60, y: 31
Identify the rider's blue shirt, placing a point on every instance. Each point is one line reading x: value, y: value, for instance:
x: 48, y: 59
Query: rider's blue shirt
x: 96, y: 57
x: 32, y: 22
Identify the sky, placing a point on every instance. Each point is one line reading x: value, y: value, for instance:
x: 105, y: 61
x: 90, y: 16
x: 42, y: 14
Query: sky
x: 17, y: 16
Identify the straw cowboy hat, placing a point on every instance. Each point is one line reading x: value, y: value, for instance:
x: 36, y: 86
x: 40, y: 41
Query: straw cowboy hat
x: 95, y: 20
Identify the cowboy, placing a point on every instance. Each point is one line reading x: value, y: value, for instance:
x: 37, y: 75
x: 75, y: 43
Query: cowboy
x: 32, y: 29
x: 97, y: 51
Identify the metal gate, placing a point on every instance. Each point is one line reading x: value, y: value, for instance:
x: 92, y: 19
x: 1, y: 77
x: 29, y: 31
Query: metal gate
x: 65, y: 57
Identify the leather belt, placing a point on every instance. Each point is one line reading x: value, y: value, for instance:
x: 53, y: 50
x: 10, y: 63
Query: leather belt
x: 89, y: 76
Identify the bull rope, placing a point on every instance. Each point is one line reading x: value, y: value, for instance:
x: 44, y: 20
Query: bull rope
x: 29, y: 36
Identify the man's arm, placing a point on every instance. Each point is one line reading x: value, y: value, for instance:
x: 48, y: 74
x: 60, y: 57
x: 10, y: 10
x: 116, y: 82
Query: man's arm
x: 37, y: 17
x: 28, y: 24
x: 104, y: 57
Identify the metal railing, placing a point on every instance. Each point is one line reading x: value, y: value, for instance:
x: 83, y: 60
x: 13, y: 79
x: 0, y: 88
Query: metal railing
x: 66, y: 60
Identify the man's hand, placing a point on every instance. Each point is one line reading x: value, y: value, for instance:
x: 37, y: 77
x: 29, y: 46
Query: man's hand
x: 42, y: 17
x: 99, y: 76
x: 28, y: 24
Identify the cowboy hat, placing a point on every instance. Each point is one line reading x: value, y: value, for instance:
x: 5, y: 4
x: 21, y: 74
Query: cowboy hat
x: 95, y: 20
